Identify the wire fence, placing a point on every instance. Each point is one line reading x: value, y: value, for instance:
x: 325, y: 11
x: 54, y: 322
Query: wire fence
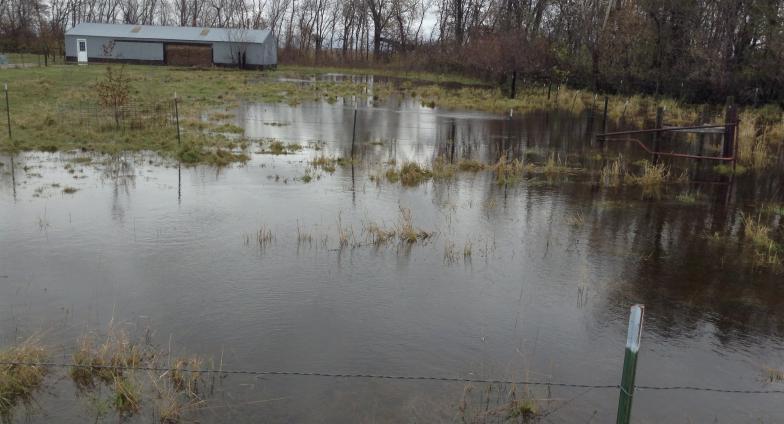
x: 129, y: 116
x: 259, y: 373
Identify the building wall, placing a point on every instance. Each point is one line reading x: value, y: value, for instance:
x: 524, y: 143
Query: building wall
x: 109, y: 48
x: 100, y: 48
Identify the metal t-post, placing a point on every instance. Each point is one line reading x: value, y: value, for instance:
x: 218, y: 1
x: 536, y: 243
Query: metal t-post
x: 630, y: 364
x: 8, y: 112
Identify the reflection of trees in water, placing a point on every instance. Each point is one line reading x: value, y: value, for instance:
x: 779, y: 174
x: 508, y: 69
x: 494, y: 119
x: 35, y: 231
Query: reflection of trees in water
x: 119, y: 170
x: 8, y: 173
x: 686, y: 275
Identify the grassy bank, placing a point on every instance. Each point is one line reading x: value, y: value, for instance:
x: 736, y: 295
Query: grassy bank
x: 48, y: 107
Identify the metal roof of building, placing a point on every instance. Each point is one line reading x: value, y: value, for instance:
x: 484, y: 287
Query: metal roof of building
x: 172, y: 33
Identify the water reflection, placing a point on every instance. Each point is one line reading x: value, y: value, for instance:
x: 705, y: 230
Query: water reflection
x: 554, y: 265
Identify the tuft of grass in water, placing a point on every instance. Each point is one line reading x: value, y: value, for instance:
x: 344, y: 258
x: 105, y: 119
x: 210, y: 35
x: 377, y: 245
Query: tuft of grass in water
x: 18, y: 383
x: 613, y: 173
x: 766, y: 251
x: 725, y: 169
x: 442, y: 169
x: 507, y: 171
x: 687, y: 198
x: 127, y: 395
x: 450, y: 254
x: 576, y: 220
x: 199, y: 152
x: 411, y: 174
x: 652, y: 174
x: 345, y: 234
x: 70, y: 190
x: 302, y: 236
x: 229, y: 128
x: 498, y: 403
x: 82, y: 160
x: 378, y: 235
x: 278, y: 148
x: 264, y: 236
x: 392, y: 175
x: 470, y: 165
x: 774, y: 375
x: 757, y: 232
x: 407, y: 232
x: 773, y: 208
x: 324, y: 162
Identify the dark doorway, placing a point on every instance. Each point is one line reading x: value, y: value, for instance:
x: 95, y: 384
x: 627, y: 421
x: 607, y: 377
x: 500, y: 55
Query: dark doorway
x: 188, y: 54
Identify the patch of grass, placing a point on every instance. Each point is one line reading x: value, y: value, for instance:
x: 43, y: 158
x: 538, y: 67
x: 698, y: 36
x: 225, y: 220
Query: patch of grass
x: 442, y: 169
x: 200, y: 153
x: 70, y: 190
x: 406, y: 230
x: 652, y: 174
x: 508, y: 171
x: 83, y: 160
x: 687, y: 198
x: 773, y: 208
x: 613, y: 173
x: 220, y: 116
x: 18, y: 383
x: 229, y: 128
x: 276, y: 148
x: 411, y: 174
x: 470, y: 165
x: 727, y: 169
x: 324, y: 162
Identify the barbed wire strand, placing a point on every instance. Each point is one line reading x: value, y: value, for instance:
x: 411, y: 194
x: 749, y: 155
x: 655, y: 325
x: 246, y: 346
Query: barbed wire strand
x: 390, y: 377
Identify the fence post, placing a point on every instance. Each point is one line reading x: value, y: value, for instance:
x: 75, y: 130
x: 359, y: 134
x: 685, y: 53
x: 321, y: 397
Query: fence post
x: 354, y: 133
x: 8, y: 113
x: 549, y: 89
x: 604, y: 120
x: 659, y: 121
x: 630, y: 364
x: 730, y: 128
x: 177, y: 118
x: 514, y: 85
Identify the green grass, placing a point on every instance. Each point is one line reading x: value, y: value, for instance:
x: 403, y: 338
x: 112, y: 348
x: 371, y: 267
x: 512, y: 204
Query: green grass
x: 44, y: 105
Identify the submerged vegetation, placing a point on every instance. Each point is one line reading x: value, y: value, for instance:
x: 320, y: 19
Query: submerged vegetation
x: 112, y: 371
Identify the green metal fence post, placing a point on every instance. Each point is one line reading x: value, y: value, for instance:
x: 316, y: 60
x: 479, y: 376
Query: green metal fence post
x: 630, y: 364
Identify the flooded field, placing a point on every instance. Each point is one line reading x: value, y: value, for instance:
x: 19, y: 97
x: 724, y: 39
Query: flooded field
x: 282, y: 264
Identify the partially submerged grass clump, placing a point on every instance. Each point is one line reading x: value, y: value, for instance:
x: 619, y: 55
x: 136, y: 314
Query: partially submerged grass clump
x: 197, y: 153
x: 125, y: 368
x: 470, y: 165
x: 404, y: 231
x: 653, y: 174
x: 767, y: 252
x: 499, y: 403
x: 18, y: 383
x: 411, y: 174
x: 407, y: 232
x: 277, y: 147
x: 324, y: 162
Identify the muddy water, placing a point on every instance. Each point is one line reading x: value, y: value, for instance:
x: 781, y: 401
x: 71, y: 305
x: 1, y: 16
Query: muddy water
x: 555, y: 264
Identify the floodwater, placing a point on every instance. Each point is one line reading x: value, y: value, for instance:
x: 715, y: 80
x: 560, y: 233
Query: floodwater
x: 555, y: 265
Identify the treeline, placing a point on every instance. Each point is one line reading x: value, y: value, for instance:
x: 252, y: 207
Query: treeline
x: 692, y: 49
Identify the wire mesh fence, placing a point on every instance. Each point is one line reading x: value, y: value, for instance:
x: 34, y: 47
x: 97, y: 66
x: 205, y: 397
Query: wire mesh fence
x: 129, y: 116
